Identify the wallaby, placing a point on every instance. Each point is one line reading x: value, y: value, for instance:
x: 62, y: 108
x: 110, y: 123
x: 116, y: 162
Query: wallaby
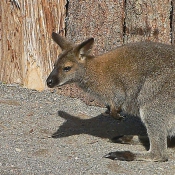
x: 137, y: 79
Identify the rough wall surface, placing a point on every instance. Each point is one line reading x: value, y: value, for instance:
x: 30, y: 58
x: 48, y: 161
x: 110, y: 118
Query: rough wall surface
x: 102, y: 20
x: 147, y: 20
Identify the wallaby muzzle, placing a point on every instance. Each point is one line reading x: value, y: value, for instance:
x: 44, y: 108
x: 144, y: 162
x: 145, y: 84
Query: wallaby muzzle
x: 52, y: 79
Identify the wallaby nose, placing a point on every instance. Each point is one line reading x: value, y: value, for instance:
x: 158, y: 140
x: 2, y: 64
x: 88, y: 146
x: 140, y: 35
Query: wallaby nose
x: 50, y: 83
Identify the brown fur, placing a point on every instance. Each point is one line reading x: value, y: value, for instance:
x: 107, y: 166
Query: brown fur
x: 137, y: 79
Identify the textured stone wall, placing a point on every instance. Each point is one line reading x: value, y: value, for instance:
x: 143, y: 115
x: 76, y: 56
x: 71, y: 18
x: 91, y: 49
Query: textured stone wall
x: 148, y: 20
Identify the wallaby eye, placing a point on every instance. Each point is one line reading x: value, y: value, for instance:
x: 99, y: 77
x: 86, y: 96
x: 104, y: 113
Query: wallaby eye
x: 67, y: 68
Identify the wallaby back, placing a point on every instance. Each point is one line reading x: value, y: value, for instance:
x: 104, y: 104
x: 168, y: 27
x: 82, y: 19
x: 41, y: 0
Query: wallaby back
x: 137, y: 79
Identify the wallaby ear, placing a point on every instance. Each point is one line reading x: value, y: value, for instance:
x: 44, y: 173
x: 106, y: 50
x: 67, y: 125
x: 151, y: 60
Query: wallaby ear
x: 62, y: 42
x: 85, y: 47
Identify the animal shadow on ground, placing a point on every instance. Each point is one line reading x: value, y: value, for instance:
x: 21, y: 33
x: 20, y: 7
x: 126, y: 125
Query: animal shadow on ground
x: 105, y: 127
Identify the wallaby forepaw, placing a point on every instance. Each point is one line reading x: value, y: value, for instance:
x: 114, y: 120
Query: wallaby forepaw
x: 122, y: 139
x: 118, y: 118
x: 120, y: 155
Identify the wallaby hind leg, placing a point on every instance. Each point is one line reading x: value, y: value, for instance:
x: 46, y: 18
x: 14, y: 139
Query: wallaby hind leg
x: 157, y: 152
x: 157, y: 136
x: 155, y: 121
x: 129, y: 139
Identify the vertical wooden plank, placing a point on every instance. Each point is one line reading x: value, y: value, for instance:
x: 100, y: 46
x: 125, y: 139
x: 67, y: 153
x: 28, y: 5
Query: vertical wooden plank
x: 11, y: 43
x: 41, y: 18
x: 147, y: 20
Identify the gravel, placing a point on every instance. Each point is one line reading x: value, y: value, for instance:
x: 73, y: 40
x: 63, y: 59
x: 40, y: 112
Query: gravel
x: 43, y: 133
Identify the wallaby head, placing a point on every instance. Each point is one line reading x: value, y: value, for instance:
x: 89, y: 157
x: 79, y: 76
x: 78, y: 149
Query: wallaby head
x: 69, y: 66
